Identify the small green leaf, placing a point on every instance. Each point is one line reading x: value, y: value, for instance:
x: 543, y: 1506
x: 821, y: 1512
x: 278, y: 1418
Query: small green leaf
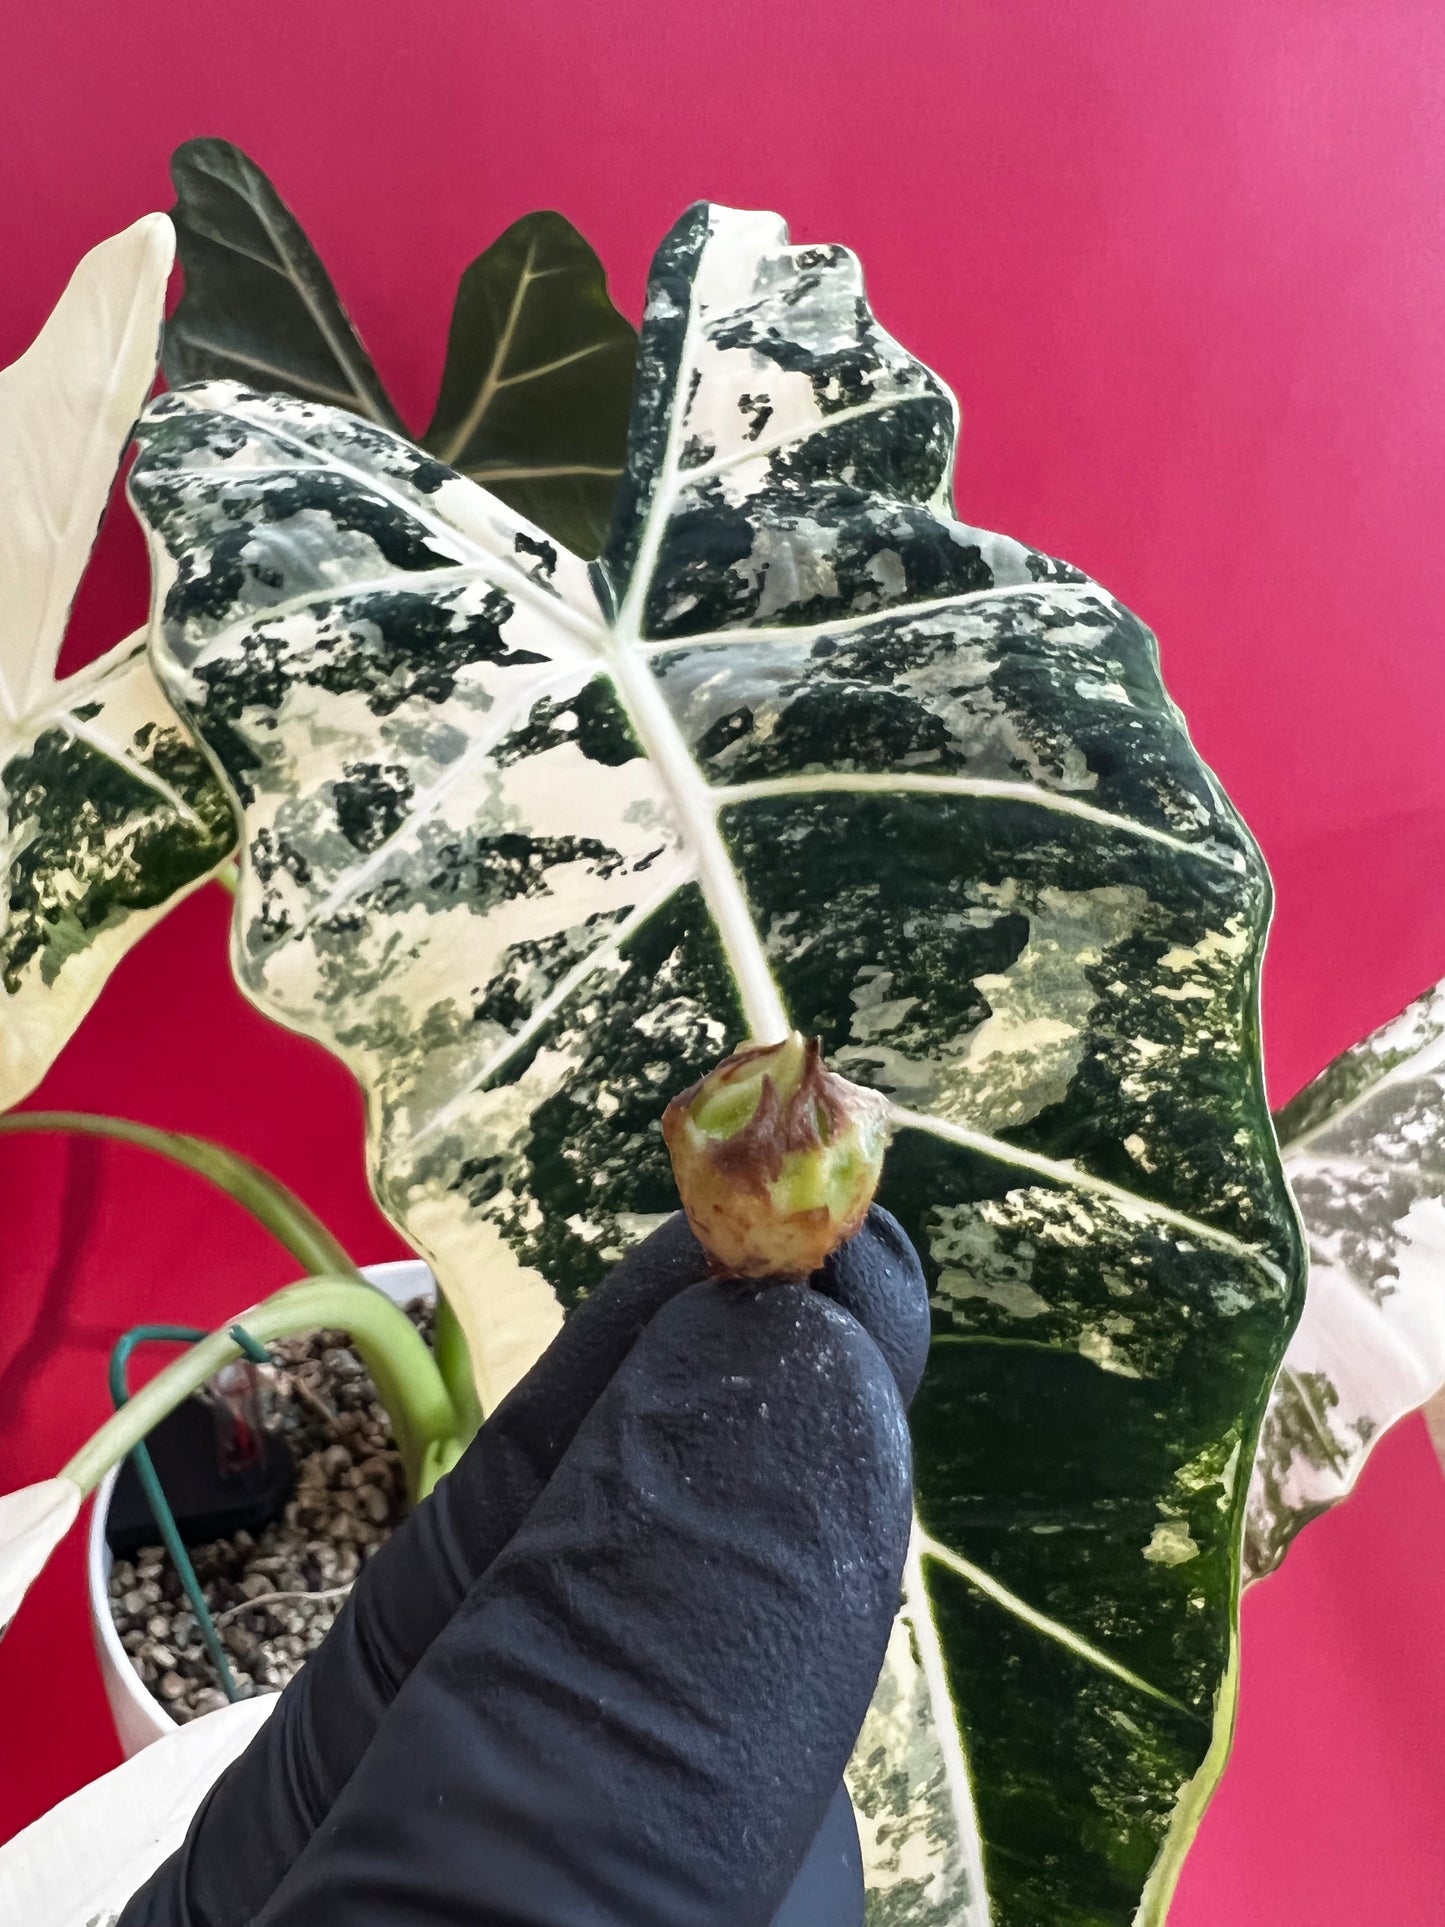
x: 1364, y: 1150
x: 535, y: 397
x: 258, y: 305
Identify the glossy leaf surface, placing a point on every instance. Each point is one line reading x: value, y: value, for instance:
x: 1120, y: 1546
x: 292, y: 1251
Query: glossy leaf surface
x: 1364, y: 1148
x: 258, y: 305
x: 535, y: 393
x: 535, y: 398
x: 107, y: 811
x: 529, y: 845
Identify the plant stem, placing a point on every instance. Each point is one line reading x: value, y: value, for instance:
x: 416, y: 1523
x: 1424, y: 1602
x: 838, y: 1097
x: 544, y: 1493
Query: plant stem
x: 408, y: 1381
x: 454, y: 1360
x: 266, y: 1198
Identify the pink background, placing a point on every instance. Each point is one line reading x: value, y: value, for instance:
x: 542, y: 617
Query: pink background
x: 1184, y: 267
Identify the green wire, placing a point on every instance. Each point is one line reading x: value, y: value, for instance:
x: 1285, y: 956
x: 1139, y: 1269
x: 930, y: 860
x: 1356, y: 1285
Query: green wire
x: 150, y: 1482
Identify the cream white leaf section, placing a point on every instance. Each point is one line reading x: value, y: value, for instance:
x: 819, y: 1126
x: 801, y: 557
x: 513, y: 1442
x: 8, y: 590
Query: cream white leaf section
x: 410, y: 715
x: 1435, y: 1424
x: 107, y: 813
x: 530, y: 844
x: 33, y: 1521
x: 1364, y: 1149
x: 909, y: 1783
x: 79, y: 1864
x: 66, y: 411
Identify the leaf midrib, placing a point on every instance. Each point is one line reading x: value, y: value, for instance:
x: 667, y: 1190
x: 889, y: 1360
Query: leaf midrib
x: 661, y: 738
x: 494, y: 380
x: 948, y: 1730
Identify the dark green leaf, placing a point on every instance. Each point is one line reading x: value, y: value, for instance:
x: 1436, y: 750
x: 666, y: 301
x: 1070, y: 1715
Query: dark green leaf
x: 534, y: 401
x: 258, y: 306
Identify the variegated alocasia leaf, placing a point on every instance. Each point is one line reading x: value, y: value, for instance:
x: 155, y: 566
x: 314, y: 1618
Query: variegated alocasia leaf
x: 529, y: 845
x: 534, y: 397
x: 107, y: 811
x: 1364, y: 1149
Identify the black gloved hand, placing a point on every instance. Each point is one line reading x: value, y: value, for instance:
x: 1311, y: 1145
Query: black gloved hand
x: 609, y: 1674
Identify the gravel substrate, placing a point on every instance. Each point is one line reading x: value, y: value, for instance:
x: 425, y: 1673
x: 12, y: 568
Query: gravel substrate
x: 274, y: 1594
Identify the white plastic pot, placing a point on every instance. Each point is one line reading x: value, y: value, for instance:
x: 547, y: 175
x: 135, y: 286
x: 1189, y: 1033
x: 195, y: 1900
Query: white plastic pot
x: 138, y: 1715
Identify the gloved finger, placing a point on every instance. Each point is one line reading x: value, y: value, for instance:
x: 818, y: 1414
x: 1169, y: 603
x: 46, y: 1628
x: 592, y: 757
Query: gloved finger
x: 877, y: 1277
x: 261, y: 1813
x: 827, y: 1890
x: 265, y: 1807
x: 640, y: 1714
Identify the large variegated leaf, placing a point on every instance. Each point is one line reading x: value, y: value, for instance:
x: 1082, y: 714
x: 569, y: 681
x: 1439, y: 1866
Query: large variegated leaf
x: 534, y: 396
x: 1364, y: 1148
x: 107, y: 812
x: 529, y: 845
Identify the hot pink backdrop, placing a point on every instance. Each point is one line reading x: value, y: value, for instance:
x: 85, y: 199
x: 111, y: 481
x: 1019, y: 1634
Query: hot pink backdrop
x: 1184, y: 267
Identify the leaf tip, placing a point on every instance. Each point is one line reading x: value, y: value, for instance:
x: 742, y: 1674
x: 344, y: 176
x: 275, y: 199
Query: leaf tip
x: 33, y: 1521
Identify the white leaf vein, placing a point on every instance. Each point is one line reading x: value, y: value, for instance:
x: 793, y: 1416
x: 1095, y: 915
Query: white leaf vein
x: 867, y: 782
x: 833, y: 626
x: 1051, y: 1629
x: 670, y: 880
x: 502, y: 719
x: 1067, y: 1175
x: 488, y: 563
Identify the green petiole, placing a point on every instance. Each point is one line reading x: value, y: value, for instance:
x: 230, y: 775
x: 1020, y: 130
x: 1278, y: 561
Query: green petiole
x: 430, y: 1434
x: 431, y: 1400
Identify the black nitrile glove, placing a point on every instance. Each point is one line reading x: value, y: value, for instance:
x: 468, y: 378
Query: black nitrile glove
x: 609, y: 1674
